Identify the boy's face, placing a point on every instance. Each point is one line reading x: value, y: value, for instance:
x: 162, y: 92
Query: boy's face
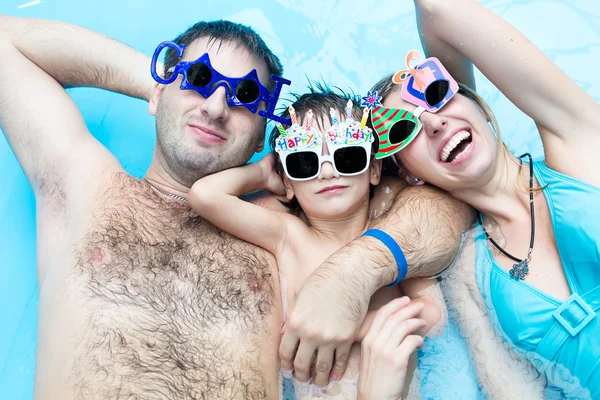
x: 331, y: 195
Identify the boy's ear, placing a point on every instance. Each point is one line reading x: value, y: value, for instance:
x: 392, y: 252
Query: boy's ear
x: 375, y: 172
x: 289, y: 192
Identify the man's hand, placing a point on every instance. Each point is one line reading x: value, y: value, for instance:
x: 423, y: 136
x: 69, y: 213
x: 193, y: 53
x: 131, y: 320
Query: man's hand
x: 386, y: 350
x: 306, y: 341
x: 328, y: 311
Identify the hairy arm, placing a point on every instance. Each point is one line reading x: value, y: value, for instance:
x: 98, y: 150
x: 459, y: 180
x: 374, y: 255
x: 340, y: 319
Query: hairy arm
x: 41, y: 122
x: 418, y: 291
x: 427, y: 224
x: 75, y: 56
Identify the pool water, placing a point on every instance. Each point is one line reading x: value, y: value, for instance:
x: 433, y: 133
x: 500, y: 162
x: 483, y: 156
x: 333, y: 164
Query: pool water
x: 346, y: 43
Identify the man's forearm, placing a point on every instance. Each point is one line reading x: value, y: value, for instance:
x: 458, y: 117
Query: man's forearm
x: 76, y: 56
x: 364, y: 265
x: 427, y: 224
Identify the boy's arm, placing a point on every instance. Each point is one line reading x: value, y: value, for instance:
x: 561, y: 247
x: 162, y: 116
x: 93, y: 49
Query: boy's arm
x: 266, y: 199
x: 216, y: 198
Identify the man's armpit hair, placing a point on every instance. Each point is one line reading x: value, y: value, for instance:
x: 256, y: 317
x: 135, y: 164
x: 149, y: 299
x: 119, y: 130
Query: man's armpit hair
x: 50, y: 184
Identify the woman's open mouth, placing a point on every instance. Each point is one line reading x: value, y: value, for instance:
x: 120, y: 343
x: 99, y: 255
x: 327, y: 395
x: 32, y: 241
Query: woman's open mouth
x: 457, y: 147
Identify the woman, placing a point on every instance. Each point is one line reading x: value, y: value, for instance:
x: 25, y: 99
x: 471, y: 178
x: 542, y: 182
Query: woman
x: 537, y: 242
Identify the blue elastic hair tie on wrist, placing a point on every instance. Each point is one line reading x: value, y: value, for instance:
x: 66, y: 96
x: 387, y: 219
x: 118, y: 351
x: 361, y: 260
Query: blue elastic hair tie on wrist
x: 391, y: 244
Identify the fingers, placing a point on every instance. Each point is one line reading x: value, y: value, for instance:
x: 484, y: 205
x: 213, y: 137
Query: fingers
x: 342, y: 354
x: 290, y: 306
x: 408, y: 346
x: 287, y: 350
x: 386, y: 354
x: 269, y: 158
x: 385, y: 341
x: 274, y: 183
x: 396, y: 320
x: 272, y: 160
x: 289, y: 340
x: 402, y: 330
x: 278, y: 186
x: 323, y: 365
x: 385, y: 312
x: 365, y: 364
x: 303, y: 361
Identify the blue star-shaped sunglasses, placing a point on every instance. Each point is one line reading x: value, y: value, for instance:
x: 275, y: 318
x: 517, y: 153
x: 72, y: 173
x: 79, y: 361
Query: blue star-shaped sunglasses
x: 199, y: 75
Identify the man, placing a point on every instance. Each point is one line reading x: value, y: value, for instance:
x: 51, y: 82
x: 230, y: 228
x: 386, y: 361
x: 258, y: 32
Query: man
x: 139, y: 297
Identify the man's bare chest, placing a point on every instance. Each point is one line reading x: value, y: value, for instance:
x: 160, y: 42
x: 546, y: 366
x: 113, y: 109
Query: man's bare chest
x: 173, y: 304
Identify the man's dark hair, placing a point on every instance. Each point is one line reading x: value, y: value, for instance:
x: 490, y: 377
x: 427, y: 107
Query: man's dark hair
x: 229, y: 32
x: 319, y: 98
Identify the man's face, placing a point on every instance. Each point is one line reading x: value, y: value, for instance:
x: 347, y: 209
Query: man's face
x: 198, y: 136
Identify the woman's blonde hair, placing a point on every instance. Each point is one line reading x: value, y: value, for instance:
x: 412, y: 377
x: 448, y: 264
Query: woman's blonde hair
x: 385, y: 86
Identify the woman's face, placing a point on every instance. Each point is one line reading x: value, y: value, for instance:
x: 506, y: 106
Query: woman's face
x: 455, y: 149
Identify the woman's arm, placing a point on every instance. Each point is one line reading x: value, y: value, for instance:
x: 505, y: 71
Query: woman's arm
x: 460, y: 30
x: 216, y: 198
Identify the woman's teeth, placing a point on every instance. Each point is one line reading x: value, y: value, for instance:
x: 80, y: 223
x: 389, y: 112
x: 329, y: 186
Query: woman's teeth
x: 462, y: 153
x: 453, y: 144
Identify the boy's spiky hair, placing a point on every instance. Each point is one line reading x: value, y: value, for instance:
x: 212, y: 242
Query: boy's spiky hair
x: 319, y: 98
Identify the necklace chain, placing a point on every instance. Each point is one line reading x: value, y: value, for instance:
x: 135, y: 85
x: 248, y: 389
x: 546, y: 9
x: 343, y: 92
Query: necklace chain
x: 521, y: 269
x: 171, y: 195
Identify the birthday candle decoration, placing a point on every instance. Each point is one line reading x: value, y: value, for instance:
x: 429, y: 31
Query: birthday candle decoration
x: 349, y: 109
x: 334, y: 120
x: 363, y: 121
x: 309, y: 120
x: 281, y: 130
x: 293, y: 115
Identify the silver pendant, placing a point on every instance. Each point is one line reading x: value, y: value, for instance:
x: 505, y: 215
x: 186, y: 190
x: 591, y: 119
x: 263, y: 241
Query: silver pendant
x: 520, y: 270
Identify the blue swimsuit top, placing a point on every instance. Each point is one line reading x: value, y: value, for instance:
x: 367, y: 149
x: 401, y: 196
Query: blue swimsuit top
x: 562, y: 339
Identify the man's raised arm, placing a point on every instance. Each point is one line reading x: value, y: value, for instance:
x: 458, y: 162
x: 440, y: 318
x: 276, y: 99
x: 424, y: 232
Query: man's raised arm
x: 41, y: 122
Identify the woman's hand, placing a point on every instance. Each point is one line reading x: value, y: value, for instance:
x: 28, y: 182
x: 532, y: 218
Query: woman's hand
x: 386, y: 350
